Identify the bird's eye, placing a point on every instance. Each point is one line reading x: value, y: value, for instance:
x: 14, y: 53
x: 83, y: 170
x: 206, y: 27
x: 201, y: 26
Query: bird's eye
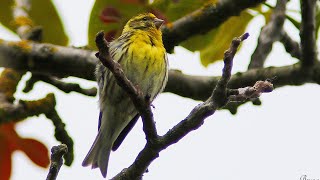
x: 145, y: 18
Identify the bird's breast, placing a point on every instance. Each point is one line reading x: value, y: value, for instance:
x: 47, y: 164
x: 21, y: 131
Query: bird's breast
x: 146, y: 65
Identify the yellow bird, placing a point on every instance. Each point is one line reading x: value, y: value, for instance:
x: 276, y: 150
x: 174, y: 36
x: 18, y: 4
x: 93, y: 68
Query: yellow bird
x: 143, y: 58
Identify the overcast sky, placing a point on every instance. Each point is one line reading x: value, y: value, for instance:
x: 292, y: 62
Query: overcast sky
x: 278, y: 140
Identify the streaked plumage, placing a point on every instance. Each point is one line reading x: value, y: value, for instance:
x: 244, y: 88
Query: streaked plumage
x: 143, y: 59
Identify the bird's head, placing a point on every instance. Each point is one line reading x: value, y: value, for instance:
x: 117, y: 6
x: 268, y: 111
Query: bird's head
x: 144, y: 21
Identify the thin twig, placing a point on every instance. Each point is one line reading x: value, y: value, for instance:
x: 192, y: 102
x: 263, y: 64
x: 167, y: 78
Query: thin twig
x: 21, y: 18
x: 291, y: 46
x: 23, y: 109
x: 56, y: 160
x: 62, y: 135
x: 242, y: 94
x: 63, y: 86
x: 193, y: 121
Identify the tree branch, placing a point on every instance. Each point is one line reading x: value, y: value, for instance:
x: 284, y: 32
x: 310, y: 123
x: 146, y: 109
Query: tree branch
x: 242, y: 94
x: 63, y: 86
x: 23, y: 109
x: 308, y: 33
x: 197, y: 22
x: 291, y: 46
x: 270, y: 33
x: 61, y: 61
x: 21, y: 18
x: 189, y: 86
x: 47, y: 59
x: 62, y: 135
x: 193, y: 121
x: 56, y: 160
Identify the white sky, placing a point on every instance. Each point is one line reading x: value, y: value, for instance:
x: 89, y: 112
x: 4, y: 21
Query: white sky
x: 278, y: 140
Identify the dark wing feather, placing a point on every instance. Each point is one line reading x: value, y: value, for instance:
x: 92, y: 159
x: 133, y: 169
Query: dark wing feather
x: 99, y: 123
x: 124, y: 133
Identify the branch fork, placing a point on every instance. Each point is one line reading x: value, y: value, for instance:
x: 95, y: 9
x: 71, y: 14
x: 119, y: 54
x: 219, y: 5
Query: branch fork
x: 155, y: 143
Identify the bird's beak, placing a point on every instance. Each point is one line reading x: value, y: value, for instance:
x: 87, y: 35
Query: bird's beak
x: 158, y: 22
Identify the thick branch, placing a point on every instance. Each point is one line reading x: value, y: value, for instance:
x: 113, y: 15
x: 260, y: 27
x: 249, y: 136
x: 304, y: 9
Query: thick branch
x: 307, y: 32
x: 203, y: 20
x: 48, y: 59
x: 61, y: 61
x: 56, y: 160
x: 188, y: 86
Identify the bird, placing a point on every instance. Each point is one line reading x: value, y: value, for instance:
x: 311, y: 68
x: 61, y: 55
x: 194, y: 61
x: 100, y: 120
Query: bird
x: 142, y: 56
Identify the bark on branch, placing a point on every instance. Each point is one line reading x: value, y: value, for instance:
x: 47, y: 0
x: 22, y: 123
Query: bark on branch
x: 197, y: 22
x: 63, y: 86
x: 56, y: 160
x: 194, y: 120
x: 308, y: 32
x: 62, y: 61
x: 269, y: 34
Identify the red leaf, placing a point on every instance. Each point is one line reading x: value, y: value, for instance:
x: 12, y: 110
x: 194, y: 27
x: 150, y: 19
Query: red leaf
x: 11, y: 141
x: 110, y: 15
x: 5, y: 158
x: 36, y: 151
x: 10, y: 135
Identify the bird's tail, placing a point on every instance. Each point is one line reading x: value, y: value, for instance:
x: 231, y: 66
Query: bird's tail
x: 99, y: 153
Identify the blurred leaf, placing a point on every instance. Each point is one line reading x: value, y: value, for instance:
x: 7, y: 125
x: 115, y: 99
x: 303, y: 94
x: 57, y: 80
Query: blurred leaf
x: 5, y: 159
x: 42, y: 13
x: 10, y: 141
x: 266, y: 14
x: 6, y: 18
x: 111, y: 16
x: 233, y: 27
x: 36, y: 152
x: 199, y: 42
x: 176, y: 10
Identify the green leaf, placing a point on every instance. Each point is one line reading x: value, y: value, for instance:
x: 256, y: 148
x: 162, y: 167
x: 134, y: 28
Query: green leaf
x: 210, y: 45
x: 175, y: 9
x: 42, y: 13
x: 6, y: 18
x: 111, y: 16
x: 180, y: 8
x: 222, y: 36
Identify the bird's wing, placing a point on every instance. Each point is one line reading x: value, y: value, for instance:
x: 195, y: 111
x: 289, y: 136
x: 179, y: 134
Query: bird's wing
x: 124, y: 133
